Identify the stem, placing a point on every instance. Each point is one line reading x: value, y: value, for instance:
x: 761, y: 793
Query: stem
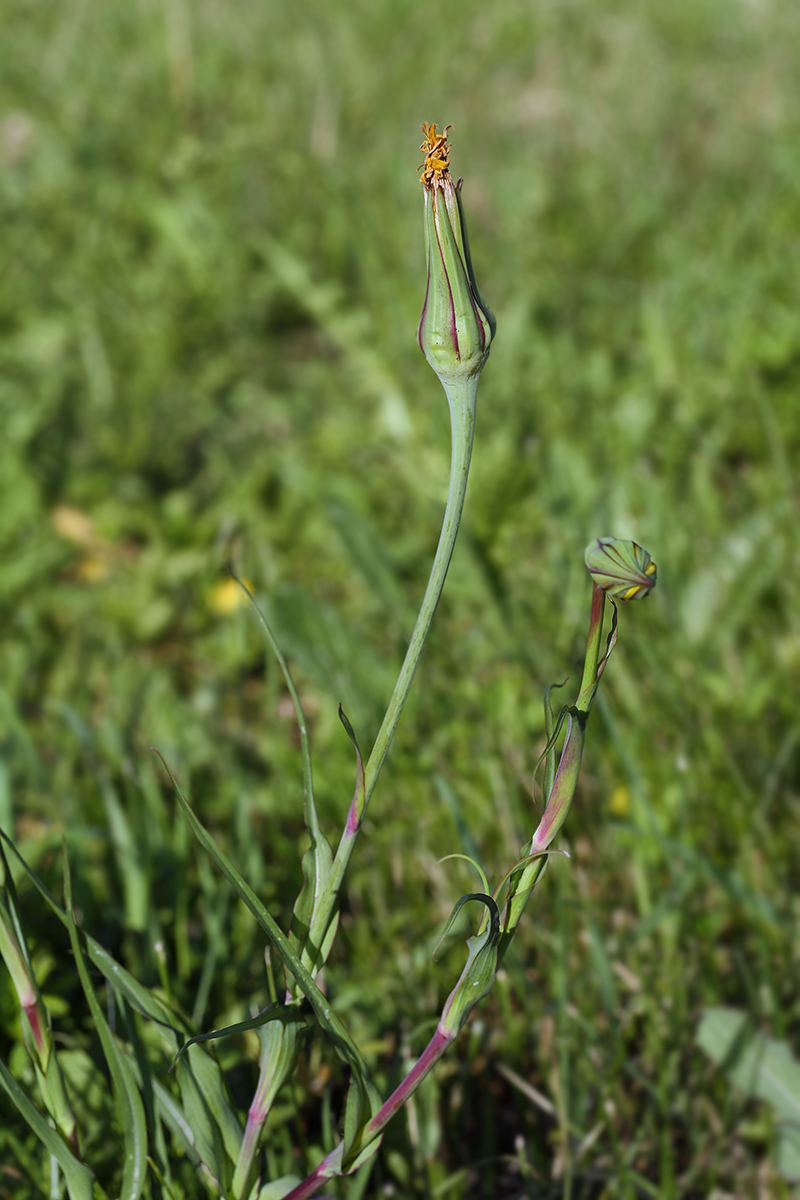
x: 422, y: 1067
x: 461, y: 399
x: 562, y: 787
x: 592, y: 660
x: 242, y: 1178
x: 280, y: 1048
x: 331, y: 1164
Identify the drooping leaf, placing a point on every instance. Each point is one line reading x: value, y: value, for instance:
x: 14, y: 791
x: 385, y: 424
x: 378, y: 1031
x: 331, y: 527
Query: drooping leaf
x: 473, y: 863
x: 477, y: 978
x: 273, y: 1012
x: 480, y: 896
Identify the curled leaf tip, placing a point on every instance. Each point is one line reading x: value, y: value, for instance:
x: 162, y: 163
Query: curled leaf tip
x: 622, y: 569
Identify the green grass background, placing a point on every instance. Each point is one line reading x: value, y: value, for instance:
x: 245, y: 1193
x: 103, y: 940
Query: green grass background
x: 213, y: 271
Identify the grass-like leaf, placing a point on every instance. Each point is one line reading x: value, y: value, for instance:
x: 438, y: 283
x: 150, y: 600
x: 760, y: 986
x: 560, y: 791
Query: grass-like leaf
x: 318, y: 859
x: 129, y: 1101
x: 215, y: 1137
x: 273, y: 1012
x: 138, y: 996
x: 343, y: 1043
x: 78, y: 1177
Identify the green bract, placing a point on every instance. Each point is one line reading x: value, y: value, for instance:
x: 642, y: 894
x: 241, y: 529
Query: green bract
x: 623, y: 570
x: 457, y: 326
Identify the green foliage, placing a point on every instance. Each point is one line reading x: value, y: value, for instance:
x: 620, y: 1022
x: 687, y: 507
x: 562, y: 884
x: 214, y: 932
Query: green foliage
x: 759, y: 1066
x: 213, y: 270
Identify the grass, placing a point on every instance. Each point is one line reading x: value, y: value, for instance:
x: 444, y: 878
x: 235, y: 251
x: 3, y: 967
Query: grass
x: 214, y: 269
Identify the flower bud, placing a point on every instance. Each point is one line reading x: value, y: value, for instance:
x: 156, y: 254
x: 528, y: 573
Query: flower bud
x: 457, y: 325
x: 623, y: 570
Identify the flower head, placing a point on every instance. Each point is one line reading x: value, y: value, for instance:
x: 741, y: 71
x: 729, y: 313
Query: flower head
x: 457, y: 325
x: 623, y: 570
x: 437, y: 154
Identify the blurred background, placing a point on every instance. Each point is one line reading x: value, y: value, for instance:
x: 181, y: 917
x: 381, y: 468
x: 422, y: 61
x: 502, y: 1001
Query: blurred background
x: 213, y: 268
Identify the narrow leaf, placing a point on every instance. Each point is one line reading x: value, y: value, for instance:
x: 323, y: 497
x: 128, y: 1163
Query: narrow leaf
x: 312, y: 942
x: 551, y: 730
x: 308, y: 783
x: 333, y: 1026
x: 477, y: 978
x: 121, y: 980
x: 216, y: 1131
x: 198, y: 1075
x: 129, y: 1101
x: 77, y: 1175
x: 360, y: 792
x: 494, y: 915
x: 273, y: 1012
x: 472, y: 863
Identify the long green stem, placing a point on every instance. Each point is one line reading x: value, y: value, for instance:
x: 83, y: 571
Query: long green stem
x: 462, y: 420
x: 461, y: 399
